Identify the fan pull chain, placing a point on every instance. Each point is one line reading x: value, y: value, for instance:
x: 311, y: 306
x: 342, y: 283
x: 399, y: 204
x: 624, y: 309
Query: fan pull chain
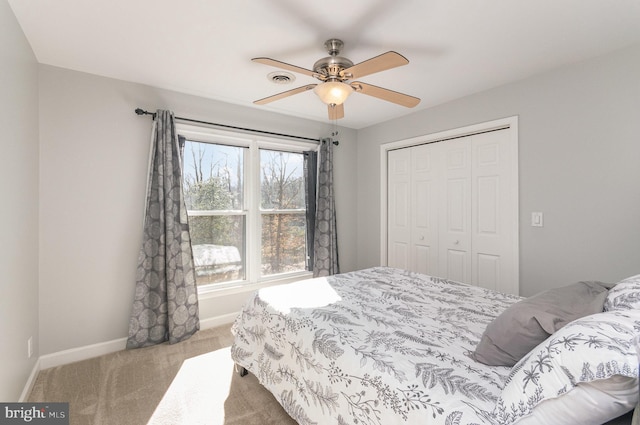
x: 334, y: 133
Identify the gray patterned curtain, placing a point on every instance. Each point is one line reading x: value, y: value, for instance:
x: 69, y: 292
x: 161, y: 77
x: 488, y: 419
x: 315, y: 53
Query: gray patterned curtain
x: 326, y: 236
x: 310, y: 183
x: 165, y: 306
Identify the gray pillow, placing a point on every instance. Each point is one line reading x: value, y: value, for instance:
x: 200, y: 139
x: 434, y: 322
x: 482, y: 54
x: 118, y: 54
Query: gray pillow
x: 524, y: 325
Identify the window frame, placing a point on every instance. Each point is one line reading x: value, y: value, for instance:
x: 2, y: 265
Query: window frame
x: 252, y: 202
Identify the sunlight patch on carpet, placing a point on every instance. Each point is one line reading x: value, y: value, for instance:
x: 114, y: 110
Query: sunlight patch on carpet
x: 198, y: 392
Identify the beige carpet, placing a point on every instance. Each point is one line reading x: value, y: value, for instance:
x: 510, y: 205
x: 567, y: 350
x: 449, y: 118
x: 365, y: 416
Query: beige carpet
x: 193, y: 382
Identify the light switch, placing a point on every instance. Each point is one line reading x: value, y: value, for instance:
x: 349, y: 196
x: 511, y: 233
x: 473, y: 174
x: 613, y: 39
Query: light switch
x: 536, y: 219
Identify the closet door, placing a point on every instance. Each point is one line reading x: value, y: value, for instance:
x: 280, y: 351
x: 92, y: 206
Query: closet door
x: 425, y: 174
x: 494, y: 211
x: 455, y: 210
x: 398, y: 208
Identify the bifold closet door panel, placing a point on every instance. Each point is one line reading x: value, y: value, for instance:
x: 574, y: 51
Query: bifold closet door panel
x: 398, y: 208
x: 425, y: 174
x: 493, y: 212
x: 455, y: 210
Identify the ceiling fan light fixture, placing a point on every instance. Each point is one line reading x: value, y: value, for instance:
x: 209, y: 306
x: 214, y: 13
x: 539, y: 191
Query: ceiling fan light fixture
x: 333, y: 92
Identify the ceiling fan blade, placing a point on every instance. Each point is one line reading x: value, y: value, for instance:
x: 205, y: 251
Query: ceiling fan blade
x: 336, y: 112
x: 284, y: 94
x: 283, y: 65
x: 376, y: 64
x: 385, y: 94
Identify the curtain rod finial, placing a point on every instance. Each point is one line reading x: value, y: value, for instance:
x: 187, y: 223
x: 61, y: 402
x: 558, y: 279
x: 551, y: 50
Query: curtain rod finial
x: 141, y: 111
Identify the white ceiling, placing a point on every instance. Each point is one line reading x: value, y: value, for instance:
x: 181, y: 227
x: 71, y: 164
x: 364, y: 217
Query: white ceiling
x: 204, y: 47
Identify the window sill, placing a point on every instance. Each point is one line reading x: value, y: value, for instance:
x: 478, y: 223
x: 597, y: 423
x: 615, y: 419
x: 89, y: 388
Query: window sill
x: 211, y: 291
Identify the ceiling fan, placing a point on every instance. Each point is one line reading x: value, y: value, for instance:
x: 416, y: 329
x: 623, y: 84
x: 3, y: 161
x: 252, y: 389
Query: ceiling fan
x: 336, y: 72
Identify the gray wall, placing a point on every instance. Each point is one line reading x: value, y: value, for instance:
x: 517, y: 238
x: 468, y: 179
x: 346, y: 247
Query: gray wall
x: 94, y: 155
x: 579, y: 151
x: 18, y: 205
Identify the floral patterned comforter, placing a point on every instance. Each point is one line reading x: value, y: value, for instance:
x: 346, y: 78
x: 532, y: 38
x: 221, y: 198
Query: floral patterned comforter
x: 376, y: 346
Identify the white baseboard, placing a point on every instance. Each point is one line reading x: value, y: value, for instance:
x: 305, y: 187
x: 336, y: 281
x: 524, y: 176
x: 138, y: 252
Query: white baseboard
x: 30, y: 382
x: 82, y: 353
x: 88, y: 351
x: 213, y: 322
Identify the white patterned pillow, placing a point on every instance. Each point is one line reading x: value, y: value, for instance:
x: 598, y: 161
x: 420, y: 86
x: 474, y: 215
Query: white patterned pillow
x: 596, y: 351
x: 625, y: 295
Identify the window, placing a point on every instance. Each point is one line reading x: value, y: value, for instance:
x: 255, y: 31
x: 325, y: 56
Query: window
x: 246, y: 205
x: 282, y: 209
x: 213, y: 184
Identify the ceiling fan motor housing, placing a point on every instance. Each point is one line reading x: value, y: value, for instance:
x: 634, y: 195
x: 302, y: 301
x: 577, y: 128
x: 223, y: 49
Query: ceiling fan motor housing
x: 331, y: 66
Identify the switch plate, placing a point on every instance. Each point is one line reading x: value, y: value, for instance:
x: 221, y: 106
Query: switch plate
x: 536, y: 219
x: 30, y: 347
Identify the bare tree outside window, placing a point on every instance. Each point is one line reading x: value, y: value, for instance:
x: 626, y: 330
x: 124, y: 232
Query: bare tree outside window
x: 283, y: 212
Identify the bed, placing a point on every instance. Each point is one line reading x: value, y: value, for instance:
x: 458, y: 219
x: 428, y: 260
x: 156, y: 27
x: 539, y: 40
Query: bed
x: 387, y: 346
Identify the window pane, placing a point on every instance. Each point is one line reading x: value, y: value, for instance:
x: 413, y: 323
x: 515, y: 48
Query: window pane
x: 218, y: 248
x: 281, y: 180
x: 283, y: 243
x: 212, y: 176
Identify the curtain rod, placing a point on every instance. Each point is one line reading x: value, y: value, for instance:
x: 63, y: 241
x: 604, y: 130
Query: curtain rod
x: 141, y: 111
